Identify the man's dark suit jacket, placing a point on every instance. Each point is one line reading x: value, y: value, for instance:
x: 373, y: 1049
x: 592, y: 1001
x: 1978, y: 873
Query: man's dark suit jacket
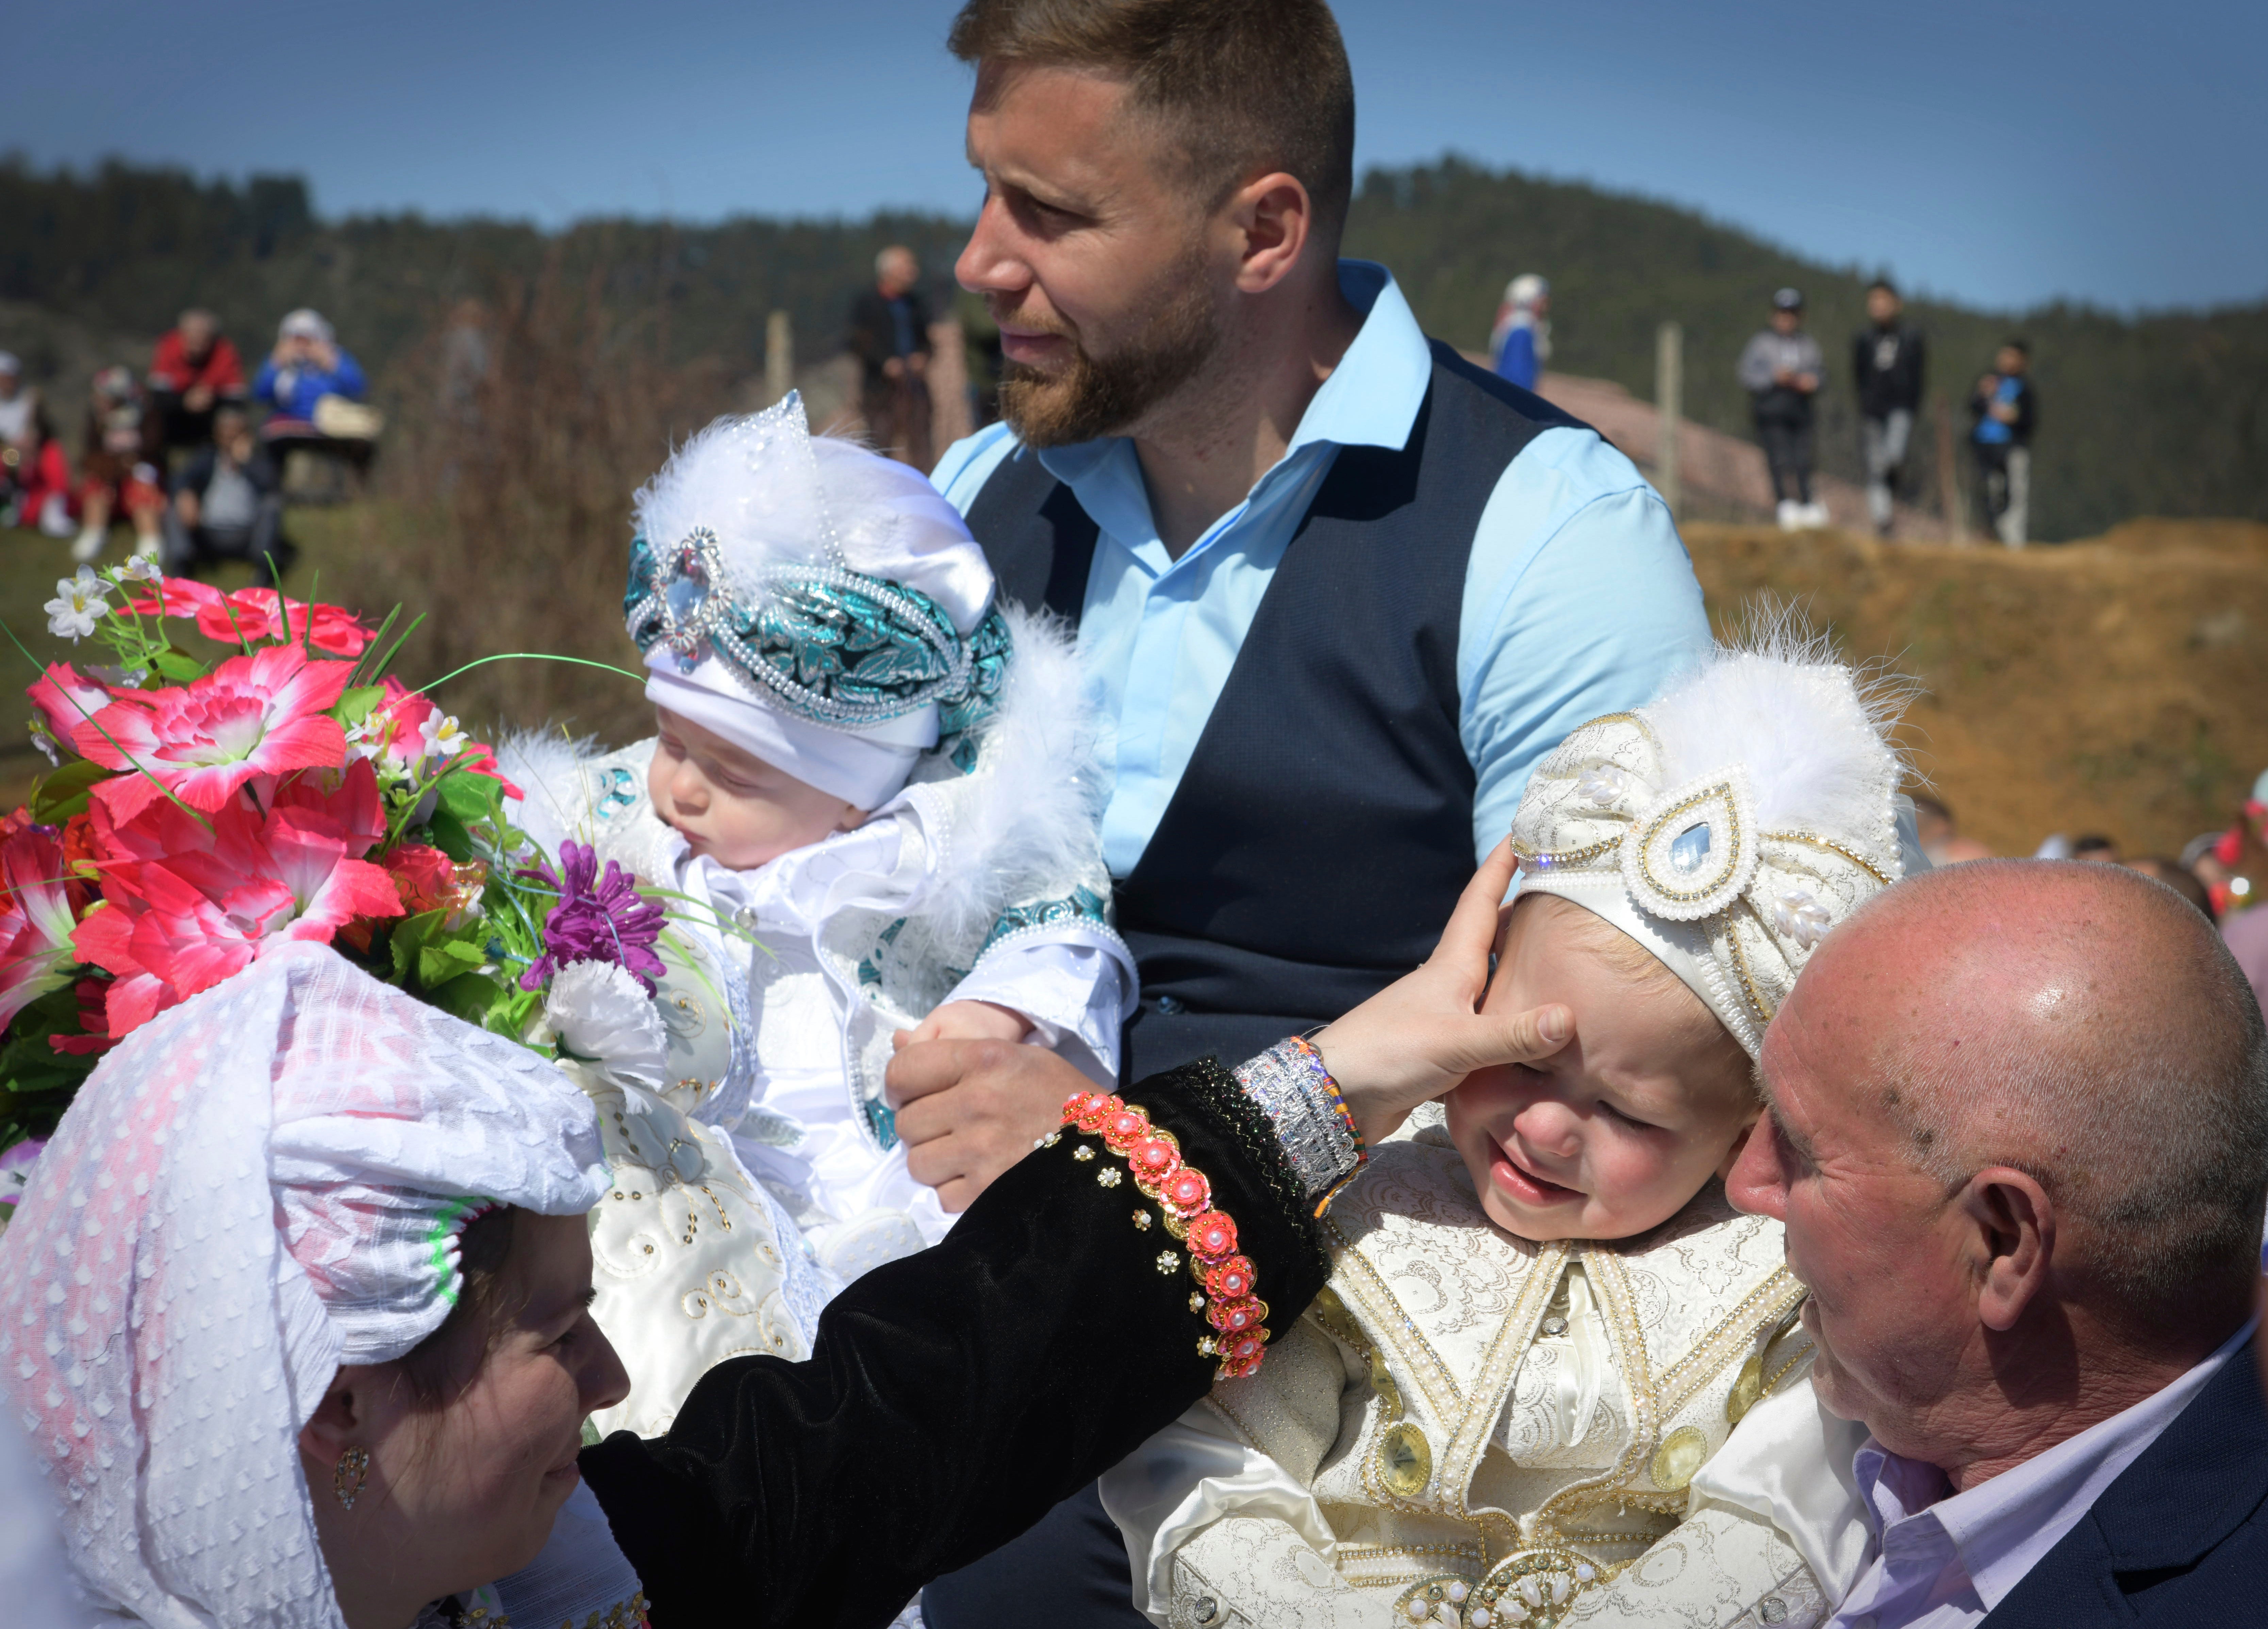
x: 2181, y: 1538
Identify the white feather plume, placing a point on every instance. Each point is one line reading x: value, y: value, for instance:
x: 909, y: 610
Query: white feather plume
x: 1813, y: 733
x: 546, y: 765
x: 1029, y: 814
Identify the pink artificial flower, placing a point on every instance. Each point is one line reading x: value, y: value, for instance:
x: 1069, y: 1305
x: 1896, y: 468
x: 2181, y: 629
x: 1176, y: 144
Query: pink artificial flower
x: 261, y: 714
x: 255, y: 614
x: 67, y: 699
x: 187, y: 907
x: 35, y: 925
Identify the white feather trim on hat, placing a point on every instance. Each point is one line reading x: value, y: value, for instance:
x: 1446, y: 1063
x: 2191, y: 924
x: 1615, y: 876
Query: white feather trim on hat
x: 1729, y: 823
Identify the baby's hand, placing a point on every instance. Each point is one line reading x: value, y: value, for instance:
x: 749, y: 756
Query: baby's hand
x: 969, y: 1021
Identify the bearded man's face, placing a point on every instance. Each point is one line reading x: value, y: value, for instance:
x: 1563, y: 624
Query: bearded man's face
x: 1090, y: 252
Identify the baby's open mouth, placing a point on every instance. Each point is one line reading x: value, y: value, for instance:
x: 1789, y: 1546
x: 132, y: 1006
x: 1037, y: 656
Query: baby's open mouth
x: 1509, y: 1175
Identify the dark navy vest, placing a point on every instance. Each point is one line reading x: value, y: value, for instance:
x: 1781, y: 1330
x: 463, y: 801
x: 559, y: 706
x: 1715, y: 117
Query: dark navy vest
x: 1323, y: 829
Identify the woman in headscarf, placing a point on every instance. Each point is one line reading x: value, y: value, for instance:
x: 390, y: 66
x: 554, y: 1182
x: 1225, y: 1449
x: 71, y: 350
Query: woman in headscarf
x: 295, y: 1309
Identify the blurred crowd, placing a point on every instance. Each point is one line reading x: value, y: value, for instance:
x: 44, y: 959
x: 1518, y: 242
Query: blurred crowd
x: 2223, y: 873
x: 190, y: 456
x: 1783, y: 369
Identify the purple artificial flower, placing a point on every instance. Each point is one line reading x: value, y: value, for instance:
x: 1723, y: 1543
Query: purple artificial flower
x: 598, y: 919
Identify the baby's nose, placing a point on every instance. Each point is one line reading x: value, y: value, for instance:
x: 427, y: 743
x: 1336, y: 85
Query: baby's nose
x: 1548, y: 1127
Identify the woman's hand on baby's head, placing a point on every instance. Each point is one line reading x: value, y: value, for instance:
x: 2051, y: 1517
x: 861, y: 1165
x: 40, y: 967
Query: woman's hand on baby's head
x: 1422, y: 1033
x: 967, y: 1021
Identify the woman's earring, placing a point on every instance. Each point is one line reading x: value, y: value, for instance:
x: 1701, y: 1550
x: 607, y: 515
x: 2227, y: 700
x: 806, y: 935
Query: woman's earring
x: 347, y: 1479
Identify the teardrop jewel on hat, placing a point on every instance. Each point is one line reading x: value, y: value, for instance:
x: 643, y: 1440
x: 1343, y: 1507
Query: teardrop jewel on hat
x: 1693, y: 850
x: 349, y: 1475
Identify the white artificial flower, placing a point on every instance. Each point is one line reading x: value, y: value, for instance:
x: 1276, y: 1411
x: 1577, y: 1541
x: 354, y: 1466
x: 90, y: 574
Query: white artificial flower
x: 360, y: 743
x: 141, y: 569
x: 78, y: 605
x: 598, y: 1011
x: 442, y: 737
x: 44, y: 739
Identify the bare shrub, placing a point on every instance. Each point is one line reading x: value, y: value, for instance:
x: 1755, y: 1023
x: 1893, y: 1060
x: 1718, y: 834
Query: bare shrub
x: 529, y: 419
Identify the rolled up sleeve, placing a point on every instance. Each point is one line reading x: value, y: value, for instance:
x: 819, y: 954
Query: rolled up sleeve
x: 1579, y: 601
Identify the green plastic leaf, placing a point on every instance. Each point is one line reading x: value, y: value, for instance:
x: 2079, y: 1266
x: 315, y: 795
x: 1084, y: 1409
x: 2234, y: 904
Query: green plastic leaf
x: 471, y: 798
x: 439, y: 964
x: 357, y: 705
x: 63, y: 793
x: 451, y: 837
x: 176, y: 663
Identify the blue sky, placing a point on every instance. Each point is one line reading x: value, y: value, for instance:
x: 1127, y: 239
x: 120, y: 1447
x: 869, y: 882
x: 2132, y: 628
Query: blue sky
x: 2000, y: 153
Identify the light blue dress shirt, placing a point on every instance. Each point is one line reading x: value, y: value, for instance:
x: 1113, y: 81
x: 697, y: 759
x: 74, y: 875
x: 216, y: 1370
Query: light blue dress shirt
x: 1580, y: 600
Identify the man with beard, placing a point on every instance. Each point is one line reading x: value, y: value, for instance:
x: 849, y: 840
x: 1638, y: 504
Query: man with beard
x: 1338, y: 589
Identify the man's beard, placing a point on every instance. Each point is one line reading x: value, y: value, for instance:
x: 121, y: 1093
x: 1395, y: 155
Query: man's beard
x: 1106, y: 396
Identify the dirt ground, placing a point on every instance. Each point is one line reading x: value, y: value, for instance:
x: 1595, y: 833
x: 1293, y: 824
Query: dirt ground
x: 2114, y: 686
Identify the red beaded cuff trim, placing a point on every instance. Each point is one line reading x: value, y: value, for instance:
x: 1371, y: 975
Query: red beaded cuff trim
x: 1184, y: 1200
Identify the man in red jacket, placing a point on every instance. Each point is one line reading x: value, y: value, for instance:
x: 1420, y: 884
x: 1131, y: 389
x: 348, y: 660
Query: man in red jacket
x: 194, y: 370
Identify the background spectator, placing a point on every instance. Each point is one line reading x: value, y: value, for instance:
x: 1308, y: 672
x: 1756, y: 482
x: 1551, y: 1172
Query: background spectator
x: 2095, y: 847
x: 307, y: 364
x: 228, y: 504
x: 889, y: 335
x: 34, y: 477
x: 1522, y: 342
x: 1940, y: 838
x: 2003, y: 406
x: 117, y: 471
x: 1782, y: 370
x: 192, y: 371
x: 1886, y: 367
x: 2176, y: 876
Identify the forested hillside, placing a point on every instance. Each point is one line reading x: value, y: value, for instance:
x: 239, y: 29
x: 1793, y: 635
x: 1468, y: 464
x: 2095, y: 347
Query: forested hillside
x: 2165, y: 414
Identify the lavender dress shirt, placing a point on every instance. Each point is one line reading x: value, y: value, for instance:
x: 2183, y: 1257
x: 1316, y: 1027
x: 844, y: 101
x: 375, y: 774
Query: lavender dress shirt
x: 1939, y: 1559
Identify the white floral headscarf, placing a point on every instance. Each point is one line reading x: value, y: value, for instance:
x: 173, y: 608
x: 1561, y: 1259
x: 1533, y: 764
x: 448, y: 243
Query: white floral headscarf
x: 255, y: 1188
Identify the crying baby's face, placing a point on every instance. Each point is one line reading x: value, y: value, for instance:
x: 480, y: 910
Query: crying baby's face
x: 1617, y: 1130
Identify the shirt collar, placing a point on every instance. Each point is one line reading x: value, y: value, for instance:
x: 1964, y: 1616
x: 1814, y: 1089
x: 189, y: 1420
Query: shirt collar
x: 1371, y: 399
x: 2001, y: 1528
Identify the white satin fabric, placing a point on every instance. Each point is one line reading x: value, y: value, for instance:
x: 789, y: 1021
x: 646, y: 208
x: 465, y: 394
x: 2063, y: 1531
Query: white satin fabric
x: 1185, y: 1478
x: 813, y: 1147
x: 1790, y: 1463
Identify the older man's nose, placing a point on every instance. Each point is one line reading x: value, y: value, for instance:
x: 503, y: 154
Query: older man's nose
x: 1754, y: 1183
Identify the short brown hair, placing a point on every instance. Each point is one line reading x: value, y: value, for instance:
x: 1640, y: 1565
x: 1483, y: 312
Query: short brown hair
x: 1248, y: 85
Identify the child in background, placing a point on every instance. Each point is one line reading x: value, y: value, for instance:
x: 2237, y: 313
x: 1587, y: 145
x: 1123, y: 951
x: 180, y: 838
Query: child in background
x: 875, y: 784
x: 1544, y: 1320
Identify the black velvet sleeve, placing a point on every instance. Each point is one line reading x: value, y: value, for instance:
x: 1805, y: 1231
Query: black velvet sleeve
x: 952, y: 1397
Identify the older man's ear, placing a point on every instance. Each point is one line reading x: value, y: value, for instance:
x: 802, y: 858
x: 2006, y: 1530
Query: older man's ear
x: 2012, y: 1244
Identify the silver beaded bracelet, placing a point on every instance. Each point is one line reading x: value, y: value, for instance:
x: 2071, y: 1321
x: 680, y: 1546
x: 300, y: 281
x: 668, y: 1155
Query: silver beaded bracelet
x: 1285, y: 1082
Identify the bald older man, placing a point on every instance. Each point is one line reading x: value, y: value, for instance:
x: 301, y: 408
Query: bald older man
x: 2018, y: 1132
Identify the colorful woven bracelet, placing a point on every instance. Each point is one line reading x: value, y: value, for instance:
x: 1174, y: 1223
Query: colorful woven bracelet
x: 1184, y: 1200
x: 1315, y: 1061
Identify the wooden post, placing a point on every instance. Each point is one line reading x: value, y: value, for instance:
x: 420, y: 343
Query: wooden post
x: 1669, y: 392
x: 949, y: 418
x: 1950, y: 495
x: 779, y: 357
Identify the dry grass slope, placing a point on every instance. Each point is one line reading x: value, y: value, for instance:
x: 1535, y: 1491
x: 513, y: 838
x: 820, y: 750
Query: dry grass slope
x: 2113, y: 686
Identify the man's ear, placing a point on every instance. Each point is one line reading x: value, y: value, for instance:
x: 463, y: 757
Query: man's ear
x: 1275, y: 217
x: 2013, y: 1241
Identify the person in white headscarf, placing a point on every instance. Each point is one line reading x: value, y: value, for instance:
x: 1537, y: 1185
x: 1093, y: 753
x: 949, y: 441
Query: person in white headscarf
x: 1520, y: 343
x: 295, y: 1311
